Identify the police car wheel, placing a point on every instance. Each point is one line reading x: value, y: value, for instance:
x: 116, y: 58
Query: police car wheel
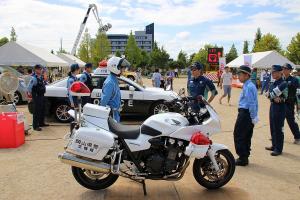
x: 17, y: 98
x: 61, y: 112
x: 159, y: 107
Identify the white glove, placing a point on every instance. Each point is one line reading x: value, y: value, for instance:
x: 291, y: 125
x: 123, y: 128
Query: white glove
x: 255, y: 120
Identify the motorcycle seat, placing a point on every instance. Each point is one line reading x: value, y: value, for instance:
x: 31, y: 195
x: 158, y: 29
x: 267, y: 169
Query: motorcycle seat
x: 123, y: 131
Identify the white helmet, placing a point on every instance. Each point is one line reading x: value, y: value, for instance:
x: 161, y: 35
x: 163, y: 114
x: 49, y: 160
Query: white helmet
x: 114, y: 64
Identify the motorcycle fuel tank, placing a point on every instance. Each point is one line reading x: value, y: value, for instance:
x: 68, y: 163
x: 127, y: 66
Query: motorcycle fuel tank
x: 91, y: 143
x: 166, y: 123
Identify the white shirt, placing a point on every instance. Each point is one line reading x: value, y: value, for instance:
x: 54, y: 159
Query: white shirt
x: 262, y: 75
x: 227, y: 77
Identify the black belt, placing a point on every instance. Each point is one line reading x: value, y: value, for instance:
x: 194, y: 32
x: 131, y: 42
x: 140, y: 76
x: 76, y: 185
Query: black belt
x: 243, y: 110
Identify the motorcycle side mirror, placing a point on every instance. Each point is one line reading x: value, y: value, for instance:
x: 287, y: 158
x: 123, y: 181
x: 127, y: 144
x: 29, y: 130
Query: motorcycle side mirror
x: 181, y: 92
x: 168, y: 87
x: 79, y: 89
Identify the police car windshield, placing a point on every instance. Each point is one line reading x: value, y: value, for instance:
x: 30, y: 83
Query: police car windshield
x: 132, y: 83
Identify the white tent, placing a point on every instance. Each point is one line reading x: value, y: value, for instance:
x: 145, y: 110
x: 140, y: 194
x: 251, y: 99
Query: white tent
x: 262, y: 60
x: 70, y: 59
x: 16, y: 53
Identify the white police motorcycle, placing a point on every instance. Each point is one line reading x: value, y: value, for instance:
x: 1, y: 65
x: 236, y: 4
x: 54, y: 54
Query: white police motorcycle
x: 100, y: 150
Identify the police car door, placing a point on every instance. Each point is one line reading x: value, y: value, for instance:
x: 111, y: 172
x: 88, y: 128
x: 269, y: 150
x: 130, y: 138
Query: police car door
x: 132, y: 97
x: 97, y: 82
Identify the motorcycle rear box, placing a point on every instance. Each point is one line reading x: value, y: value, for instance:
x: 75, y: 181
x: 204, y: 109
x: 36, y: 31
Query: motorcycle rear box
x: 96, y: 111
x: 91, y: 143
x: 11, y: 129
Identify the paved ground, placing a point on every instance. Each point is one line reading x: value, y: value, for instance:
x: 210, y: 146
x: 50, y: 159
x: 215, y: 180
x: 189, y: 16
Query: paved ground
x: 34, y: 172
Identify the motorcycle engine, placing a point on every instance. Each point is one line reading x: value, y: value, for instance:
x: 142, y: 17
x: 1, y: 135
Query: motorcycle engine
x: 165, y: 156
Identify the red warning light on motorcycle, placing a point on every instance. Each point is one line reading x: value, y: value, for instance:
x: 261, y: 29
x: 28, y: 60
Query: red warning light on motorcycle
x: 214, y: 54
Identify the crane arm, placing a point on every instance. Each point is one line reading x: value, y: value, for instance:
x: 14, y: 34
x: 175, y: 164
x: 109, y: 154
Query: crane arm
x: 102, y: 28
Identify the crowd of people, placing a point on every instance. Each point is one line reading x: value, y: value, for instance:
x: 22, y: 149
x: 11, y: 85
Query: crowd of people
x: 279, y: 86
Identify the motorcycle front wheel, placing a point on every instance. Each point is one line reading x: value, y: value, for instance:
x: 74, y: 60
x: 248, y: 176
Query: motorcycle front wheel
x: 208, y: 177
x: 93, y: 180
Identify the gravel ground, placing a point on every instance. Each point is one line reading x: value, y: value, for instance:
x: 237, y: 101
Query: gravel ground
x: 34, y: 172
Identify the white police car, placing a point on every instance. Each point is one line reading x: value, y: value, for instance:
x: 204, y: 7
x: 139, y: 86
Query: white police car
x: 136, y: 99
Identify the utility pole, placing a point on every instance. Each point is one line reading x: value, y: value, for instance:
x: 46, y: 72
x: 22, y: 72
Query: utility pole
x: 60, y: 50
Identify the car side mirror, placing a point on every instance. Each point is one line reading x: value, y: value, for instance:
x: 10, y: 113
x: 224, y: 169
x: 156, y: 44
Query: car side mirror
x: 131, y: 88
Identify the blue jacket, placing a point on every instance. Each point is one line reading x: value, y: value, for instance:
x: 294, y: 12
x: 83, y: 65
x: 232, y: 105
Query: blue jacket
x: 70, y: 81
x: 199, y: 86
x: 248, y: 99
x: 111, y: 94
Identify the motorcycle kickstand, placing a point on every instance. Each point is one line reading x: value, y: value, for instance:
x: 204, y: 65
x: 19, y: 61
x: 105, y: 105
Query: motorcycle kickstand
x: 144, y: 185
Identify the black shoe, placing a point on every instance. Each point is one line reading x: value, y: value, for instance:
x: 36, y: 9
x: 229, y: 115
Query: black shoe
x: 269, y: 148
x: 275, y: 153
x: 37, y: 129
x: 241, y: 162
x: 43, y: 125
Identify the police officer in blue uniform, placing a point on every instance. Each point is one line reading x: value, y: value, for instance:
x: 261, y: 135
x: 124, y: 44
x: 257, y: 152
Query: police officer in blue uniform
x: 86, y: 78
x: 71, y: 79
x: 36, y: 90
x: 111, y: 94
x: 277, y: 95
x: 247, y: 116
x: 199, y: 84
x: 293, y: 85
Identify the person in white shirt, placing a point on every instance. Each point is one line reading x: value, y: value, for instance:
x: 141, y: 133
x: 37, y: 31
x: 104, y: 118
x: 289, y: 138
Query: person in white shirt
x: 156, y: 77
x: 226, y: 80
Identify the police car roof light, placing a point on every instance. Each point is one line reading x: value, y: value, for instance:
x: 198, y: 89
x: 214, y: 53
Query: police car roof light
x: 79, y: 89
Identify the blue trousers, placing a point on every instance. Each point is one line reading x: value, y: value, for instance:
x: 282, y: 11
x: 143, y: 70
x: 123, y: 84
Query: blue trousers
x: 277, y: 116
x: 264, y: 87
x: 38, y: 112
x: 243, y: 131
x: 290, y: 118
x: 116, y: 115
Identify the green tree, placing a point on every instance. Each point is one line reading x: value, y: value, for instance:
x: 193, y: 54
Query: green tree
x: 257, y: 38
x: 268, y: 42
x: 159, y: 56
x: 182, y: 59
x: 246, y: 47
x: 190, y: 60
x: 201, y: 56
x: 3, y: 41
x: 118, y: 53
x: 293, y: 49
x: 132, y: 51
x: 232, y: 54
x: 101, y: 48
x: 84, y: 51
x: 145, y: 59
x: 13, y: 35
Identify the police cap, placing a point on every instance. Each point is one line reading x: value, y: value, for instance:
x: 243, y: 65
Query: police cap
x: 244, y: 69
x: 287, y: 66
x: 197, y: 65
x: 88, y: 65
x: 276, y: 68
x: 74, y: 67
x: 38, y: 66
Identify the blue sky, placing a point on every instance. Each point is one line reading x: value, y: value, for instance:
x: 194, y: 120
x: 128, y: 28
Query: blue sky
x: 179, y: 24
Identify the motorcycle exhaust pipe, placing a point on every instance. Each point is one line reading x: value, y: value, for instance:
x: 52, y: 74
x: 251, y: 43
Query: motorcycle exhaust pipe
x: 72, y: 160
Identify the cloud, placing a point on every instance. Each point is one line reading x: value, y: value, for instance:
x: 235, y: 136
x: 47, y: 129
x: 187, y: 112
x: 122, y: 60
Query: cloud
x: 184, y: 14
x: 183, y: 35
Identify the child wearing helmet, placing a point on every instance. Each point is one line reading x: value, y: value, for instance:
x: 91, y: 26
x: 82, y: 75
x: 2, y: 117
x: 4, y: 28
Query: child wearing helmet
x: 111, y: 94
x: 71, y: 79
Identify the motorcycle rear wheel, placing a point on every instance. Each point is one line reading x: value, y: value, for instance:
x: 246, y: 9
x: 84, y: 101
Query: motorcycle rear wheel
x: 205, y: 174
x: 93, y: 180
